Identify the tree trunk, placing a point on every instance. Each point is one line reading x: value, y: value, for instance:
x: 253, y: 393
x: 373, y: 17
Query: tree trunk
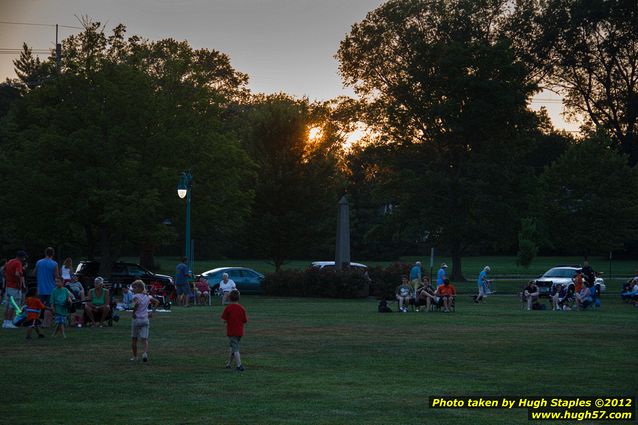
x: 457, y: 272
x: 147, y: 257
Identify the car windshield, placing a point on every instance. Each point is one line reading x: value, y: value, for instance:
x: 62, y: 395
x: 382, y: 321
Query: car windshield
x: 567, y: 273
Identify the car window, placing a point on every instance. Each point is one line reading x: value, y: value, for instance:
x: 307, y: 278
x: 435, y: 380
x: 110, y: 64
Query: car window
x: 119, y: 269
x: 565, y: 273
x: 248, y: 273
x: 234, y: 274
x: 136, y: 271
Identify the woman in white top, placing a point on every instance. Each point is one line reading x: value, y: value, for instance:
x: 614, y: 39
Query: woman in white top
x: 226, y: 285
x: 65, y: 270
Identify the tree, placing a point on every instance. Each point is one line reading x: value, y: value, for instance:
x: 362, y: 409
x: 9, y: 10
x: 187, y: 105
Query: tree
x: 98, y: 148
x: 594, y: 64
x: 527, y: 242
x: 589, y: 198
x: 297, y: 179
x: 440, y: 81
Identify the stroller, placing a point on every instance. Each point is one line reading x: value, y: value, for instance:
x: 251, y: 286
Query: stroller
x: 160, y: 292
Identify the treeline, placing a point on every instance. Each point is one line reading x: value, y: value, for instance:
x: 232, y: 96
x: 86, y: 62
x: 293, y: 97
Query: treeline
x: 453, y: 156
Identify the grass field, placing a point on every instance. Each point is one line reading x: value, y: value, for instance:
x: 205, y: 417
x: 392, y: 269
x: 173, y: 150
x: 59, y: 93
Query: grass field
x: 318, y: 361
x: 501, y: 265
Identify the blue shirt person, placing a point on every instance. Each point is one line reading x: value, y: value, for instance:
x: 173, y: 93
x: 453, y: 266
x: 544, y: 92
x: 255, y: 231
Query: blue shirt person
x: 46, y: 271
x: 415, y: 272
x: 441, y: 275
x: 482, y: 282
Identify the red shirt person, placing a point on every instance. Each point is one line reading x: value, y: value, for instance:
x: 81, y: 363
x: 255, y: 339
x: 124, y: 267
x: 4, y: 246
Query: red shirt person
x: 14, y: 284
x: 235, y: 317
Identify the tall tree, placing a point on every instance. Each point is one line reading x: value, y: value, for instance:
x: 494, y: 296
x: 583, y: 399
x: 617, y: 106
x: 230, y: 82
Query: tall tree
x: 440, y: 81
x: 594, y: 64
x: 296, y: 188
x: 589, y: 201
x: 99, y: 147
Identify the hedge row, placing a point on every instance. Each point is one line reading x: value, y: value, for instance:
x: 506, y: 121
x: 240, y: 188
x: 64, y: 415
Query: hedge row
x: 316, y: 283
x: 381, y: 282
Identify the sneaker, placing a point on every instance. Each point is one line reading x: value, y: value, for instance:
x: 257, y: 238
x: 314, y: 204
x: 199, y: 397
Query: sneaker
x: 240, y: 368
x: 28, y: 337
x: 228, y: 366
x: 144, y: 357
x: 9, y: 325
x: 42, y: 336
x: 133, y: 359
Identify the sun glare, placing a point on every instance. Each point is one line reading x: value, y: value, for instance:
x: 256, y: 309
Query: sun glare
x: 314, y: 134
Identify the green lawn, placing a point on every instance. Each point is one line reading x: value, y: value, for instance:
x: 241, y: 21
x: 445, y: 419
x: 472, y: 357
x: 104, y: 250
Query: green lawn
x: 318, y: 361
x: 500, y: 265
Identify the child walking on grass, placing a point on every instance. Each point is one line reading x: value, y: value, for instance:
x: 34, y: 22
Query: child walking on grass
x: 34, y: 308
x: 60, y: 297
x: 235, y: 317
x: 140, y: 323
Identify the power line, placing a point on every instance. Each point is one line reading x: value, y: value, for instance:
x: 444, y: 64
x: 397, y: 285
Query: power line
x: 39, y: 25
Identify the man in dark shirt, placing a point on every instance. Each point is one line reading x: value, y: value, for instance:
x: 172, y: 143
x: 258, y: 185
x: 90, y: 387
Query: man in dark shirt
x: 530, y: 294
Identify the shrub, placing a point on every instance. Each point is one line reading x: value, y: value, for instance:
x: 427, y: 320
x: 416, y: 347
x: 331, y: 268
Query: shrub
x: 316, y: 283
x: 385, y: 280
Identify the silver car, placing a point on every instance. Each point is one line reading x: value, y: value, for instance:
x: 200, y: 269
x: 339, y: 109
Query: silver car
x: 563, y: 275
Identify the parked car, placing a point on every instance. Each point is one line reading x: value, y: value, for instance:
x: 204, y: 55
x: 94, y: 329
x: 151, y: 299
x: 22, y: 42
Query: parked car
x: 563, y: 275
x: 121, y: 274
x: 330, y: 265
x: 248, y: 281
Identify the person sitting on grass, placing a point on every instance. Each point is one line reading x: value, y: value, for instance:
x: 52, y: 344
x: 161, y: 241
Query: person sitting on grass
x: 127, y: 298
x: 34, y: 309
x: 559, y: 297
x: 98, y: 302
x: 226, y: 285
x: 403, y: 293
x: 202, y: 290
x: 75, y: 287
x: 425, y: 294
x: 530, y: 294
x: 584, y: 298
x: 446, y: 293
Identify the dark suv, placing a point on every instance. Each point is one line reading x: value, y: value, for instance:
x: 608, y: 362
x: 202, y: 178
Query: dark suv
x: 121, y: 274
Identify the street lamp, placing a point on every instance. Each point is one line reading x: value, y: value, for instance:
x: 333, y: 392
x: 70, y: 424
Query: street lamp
x: 184, y: 191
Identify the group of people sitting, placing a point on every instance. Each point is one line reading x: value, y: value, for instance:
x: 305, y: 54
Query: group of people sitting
x: 630, y: 290
x: 561, y: 296
x: 421, y: 293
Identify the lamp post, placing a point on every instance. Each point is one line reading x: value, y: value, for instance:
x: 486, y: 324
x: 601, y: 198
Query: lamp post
x: 184, y: 191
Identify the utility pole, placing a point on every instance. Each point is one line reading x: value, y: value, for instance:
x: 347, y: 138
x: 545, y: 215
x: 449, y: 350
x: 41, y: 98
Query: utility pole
x: 58, y: 51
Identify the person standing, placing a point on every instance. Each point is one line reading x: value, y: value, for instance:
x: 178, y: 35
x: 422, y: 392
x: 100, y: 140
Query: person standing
x: 482, y: 283
x: 14, y: 286
x: 66, y: 270
x: 235, y: 317
x: 46, y: 272
x: 415, y: 275
x: 140, y: 324
x: 182, y: 274
x: 441, y: 275
x: 60, y: 299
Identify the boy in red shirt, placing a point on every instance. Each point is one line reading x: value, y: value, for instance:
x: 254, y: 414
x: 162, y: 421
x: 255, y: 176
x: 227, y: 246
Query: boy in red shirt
x: 235, y: 316
x: 34, y: 308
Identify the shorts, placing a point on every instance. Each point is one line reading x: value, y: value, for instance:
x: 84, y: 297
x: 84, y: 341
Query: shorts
x: 16, y: 294
x: 183, y: 289
x: 233, y: 341
x: 139, y: 328
x: 60, y: 319
x: 32, y: 323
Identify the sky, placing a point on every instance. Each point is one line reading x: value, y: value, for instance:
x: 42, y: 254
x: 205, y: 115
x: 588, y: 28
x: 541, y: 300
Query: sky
x: 283, y: 45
